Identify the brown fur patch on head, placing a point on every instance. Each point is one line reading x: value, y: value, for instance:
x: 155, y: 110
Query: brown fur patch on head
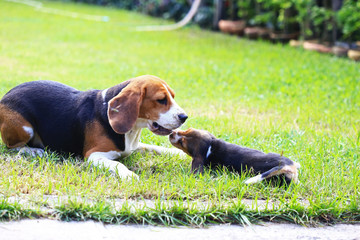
x: 191, y: 141
x: 151, y: 107
x: 144, y: 97
x: 12, y: 128
x: 195, y: 143
x: 178, y: 139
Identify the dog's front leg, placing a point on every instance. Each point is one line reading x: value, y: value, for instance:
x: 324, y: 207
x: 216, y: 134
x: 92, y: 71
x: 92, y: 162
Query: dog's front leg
x: 106, y: 159
x: 143, y: 148
x: 197, y: 165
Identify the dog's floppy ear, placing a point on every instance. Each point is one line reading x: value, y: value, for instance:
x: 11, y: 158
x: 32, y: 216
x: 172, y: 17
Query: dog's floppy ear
x: 123, y: 109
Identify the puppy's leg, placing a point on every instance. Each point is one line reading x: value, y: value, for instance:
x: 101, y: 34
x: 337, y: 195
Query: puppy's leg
x: 106, y: 159
x: 258, y: 178
x: 197, y: 165
x: 290, y: 172
x: 142, y: 147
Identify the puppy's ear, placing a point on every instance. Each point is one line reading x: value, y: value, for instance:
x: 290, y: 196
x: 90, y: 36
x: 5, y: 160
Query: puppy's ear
x: 211, y: 136
x: 123, y: 109
x: 197, y: 165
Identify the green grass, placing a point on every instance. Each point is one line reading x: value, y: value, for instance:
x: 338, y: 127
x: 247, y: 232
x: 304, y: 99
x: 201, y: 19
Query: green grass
x: 264, y: 96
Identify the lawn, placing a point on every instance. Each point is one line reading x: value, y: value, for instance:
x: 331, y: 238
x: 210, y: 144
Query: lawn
x: 269, y: 97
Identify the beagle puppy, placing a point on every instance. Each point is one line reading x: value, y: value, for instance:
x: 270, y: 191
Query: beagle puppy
x: 100, y: 125
x: 208, y: 151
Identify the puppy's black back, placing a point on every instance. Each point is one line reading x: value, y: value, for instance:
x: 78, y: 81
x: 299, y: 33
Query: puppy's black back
x: 241, y: 158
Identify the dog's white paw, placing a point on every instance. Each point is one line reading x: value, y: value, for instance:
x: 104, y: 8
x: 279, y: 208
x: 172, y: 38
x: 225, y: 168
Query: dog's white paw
x: 253, y: 180
x: 182, y: 155
x: 112, y: 155
x: 33, y: 152
x: 176, y: 152
x: 123, y: 173
x: 130, y: 176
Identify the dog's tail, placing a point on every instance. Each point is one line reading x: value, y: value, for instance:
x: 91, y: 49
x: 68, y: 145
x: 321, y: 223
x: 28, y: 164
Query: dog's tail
x: 290, y: 172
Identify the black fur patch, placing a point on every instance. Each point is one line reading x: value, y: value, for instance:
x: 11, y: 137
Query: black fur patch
x: 59, y: 113
x: 240, y: 158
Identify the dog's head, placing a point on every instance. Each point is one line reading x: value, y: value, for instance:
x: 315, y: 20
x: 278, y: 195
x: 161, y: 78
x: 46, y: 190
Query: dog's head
x: 148, y: 98
x: 195, y: 143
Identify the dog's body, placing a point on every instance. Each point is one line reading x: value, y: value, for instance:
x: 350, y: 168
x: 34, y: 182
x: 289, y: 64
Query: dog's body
x: 101, y: 125
x: 207, y: 151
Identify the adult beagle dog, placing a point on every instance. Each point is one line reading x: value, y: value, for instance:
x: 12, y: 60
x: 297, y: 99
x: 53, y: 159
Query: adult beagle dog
x: 100, y: 125
x: 208, y: 151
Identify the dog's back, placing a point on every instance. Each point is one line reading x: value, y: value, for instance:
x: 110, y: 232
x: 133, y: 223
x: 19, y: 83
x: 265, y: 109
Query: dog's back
x: 52, y: 109
x: 241, y: 158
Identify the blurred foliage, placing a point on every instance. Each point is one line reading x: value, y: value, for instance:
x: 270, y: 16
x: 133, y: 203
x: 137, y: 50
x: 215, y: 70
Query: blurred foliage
x: 313, y: 18
x: 316, y: 19
x: 349, y: 19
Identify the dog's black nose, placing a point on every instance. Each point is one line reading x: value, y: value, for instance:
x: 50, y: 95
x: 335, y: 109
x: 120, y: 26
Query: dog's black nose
x: 182, y: 117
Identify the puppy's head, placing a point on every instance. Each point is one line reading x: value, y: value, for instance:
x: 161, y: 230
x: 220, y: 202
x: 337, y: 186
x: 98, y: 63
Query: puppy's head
x: 195, y: 143
x: 147, y: 98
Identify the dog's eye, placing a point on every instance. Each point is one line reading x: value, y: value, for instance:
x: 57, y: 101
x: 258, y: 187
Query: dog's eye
x: 181, y: 142
x: 162, y: 101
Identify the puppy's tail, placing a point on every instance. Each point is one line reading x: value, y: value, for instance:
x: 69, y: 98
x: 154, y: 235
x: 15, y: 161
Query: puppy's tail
x: 290, y: 172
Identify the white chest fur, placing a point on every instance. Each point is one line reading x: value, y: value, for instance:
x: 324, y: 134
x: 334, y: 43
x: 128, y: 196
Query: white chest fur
x: 132, y: 137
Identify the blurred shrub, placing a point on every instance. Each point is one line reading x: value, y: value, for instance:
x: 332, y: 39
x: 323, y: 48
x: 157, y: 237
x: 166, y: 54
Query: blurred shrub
x: 348, y: 18
x: 313, y: 18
